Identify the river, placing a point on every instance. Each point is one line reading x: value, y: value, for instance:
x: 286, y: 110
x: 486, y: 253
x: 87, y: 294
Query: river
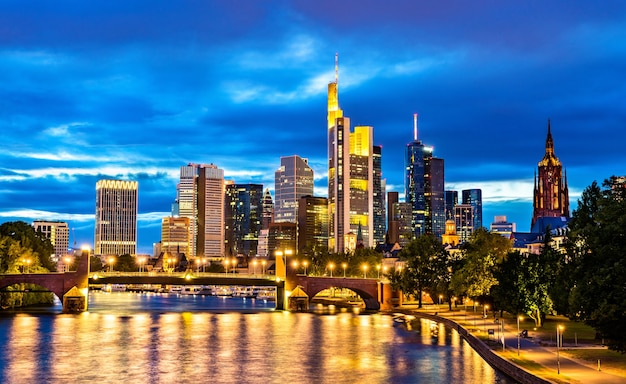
x: 165, y: 338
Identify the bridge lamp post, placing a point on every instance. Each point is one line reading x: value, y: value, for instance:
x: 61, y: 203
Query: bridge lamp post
x: 226, y: 262
x: 234, y: 268
x: 263, y: 263
x: 203, y: 264
x: 378, y: 270
x: 331, y: 266
x: 67, y: 262
x: 141, y: 260
x: 305, y: 263
x: 294, y: 264
x: 111, y: 261
x: 344, y: 266
x: 364, y: 271
x: 254, y: 262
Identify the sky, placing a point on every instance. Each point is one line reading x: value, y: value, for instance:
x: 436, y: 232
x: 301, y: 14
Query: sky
x: 133, y: 90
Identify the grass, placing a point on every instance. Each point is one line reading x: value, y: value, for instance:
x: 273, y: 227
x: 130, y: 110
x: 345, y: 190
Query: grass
x: 610, y: 361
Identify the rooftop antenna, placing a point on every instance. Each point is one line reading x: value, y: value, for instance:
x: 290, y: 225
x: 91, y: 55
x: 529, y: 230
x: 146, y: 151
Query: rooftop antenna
x: 415, y: 126
x: 336, y: 68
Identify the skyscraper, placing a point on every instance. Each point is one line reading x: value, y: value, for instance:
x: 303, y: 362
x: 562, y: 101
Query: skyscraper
x: 350, y: 177
x: 379, y: 197
x: 268, y: 209
x: 200, y: 197
x: 424, y: 187
x: 474, y: 197
x: 242, y: 218
x: 116, y: 217
x: 292, y: 180
x: 452, y: 199
x: 464, y: 221
x: 551, y: 196
x: 175, y: 237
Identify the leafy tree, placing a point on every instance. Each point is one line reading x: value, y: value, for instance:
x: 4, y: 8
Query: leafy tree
x: 25, y: 235
x: 426, y: 264
x: 480, y: 254
x: 597, y: 248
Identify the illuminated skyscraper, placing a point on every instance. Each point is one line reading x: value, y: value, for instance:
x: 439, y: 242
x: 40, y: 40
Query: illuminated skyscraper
x: 464, y: 221
x: 242, y: 219
x: 350, y: 177
x: 424, y: 187
x: 116, y: 218
x: 200, y: 197
x: 379, y: 198
x: 268, y: 209
x: 292, y: 180
x: 551, y: 197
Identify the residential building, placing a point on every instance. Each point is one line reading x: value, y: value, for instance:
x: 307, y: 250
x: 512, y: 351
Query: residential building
x: 58, y: 233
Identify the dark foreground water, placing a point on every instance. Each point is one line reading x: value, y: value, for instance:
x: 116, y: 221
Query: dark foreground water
x: 148, y: 338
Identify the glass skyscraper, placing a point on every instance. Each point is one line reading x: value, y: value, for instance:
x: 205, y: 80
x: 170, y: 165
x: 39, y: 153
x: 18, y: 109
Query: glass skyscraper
x: 292, y: 180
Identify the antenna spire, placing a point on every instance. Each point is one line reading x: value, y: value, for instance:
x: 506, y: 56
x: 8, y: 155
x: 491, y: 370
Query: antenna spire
x: 336, y: 68
x: 415, y: 126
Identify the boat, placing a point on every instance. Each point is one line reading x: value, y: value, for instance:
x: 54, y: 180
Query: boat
x: 114, y: 288
x: 190, y: 290
x: 223, y: 292
x: 266, y: 294
x: 245, y: 292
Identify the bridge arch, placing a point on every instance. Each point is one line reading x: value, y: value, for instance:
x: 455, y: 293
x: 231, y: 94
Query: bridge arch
x: 367, y: 289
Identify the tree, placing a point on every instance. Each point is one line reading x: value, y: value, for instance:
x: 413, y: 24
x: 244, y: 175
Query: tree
x: 25, y: 235
x: 426, y: 264
x: 597, y: 249
x: 480, y: 254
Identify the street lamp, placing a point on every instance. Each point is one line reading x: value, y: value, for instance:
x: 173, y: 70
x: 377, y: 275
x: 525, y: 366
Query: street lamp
x: 305, y: 263
x: 344, y: 266
x: 365, y: 271
x: 485, y: 309
x: 67, y: 261
x: 226, y: 262
x: 111, y: 261
x: 378, y: 270
x: 254, y: 262
x: 263, y: 262
x: 141, y: 260
x: 559, y: 329
x: 440, y: 297
x: 330, y: 267
x: 235, y: 263
x: 203, y: 264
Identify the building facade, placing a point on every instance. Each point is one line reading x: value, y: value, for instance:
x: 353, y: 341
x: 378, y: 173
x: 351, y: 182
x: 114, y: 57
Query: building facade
x: 175, y: 235
x: 464, y: 221
x: 116, y: 218
x: 380, y: 215
x: 292, y: 180
x: 312, y: 224
x: 474, y: 197
x: 551, y: 196
x: 243, y: 213
x: 58, y: 232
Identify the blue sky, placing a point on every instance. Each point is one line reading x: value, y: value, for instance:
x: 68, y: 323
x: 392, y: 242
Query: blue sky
x: 133, y: 90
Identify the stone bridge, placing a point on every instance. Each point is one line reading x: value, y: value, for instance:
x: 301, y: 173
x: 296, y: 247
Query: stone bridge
x: 376, y: 294
x: 70, y: 287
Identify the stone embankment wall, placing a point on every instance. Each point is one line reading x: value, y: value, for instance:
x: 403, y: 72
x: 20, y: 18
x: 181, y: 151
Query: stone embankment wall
x: 508, y: 368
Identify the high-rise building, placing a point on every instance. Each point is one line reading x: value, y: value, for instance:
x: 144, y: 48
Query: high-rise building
x: 58, y: 233
x: 424, y: 187
x: 464, y: 221
x: 175, y: 235
x: 452, y: 199
x: 268, y: 209
x: 474, y: 197
x: 399, y: 220
x: 379, y: 194
x: 551, y: 197
x: 242, y: 219
x: 312, y: 224
x: 116, y: 217
x: 350, y: 177
x: 200, y: 197
x: 502, y: 227
x: 292, y: 180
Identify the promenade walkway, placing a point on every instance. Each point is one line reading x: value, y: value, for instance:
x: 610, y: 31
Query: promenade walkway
x: 537, y: 358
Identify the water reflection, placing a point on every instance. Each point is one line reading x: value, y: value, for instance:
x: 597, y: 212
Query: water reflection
x: 127, y: 338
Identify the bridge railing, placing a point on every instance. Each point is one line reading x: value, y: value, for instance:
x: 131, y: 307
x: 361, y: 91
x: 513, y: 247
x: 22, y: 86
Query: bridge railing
x: 187, y: 274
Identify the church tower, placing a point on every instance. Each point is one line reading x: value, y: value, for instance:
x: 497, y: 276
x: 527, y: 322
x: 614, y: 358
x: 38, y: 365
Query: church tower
x: 551, y: 198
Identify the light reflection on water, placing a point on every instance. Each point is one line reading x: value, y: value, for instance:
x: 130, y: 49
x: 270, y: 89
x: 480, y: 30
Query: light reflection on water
x: 166, y: 339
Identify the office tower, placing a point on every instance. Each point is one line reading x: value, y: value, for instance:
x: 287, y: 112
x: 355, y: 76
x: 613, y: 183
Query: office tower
x: 379, y: 197
x: 58, y: 233
x: 451, y: 199
x: 502, y: 227
x: 243, y: 211
x: 424, y: 187
x: 116, y: 218
x: 551, y: 198
x: 175, y: 235
x: 200, y: 197
x: 350, y: 176
x: 399, y: 220
x: 268, y: 210
x: 464, y: 221
x: 312, y: 224
x: 282, y: 237
x: 474, y: 197
x: 292, y: 180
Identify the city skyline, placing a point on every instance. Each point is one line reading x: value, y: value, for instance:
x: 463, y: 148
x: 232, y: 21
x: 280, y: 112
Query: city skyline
x: 135, y: 91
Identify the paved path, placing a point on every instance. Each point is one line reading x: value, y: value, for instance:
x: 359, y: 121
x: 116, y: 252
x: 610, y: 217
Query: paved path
x: 573, y: 371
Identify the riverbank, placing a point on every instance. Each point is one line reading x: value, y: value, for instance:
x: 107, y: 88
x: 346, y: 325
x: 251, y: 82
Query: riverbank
x: 537, y: 354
